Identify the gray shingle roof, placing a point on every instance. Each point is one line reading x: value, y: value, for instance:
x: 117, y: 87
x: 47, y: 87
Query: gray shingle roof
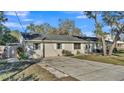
x: 54, y: 37
x: 62, y: 38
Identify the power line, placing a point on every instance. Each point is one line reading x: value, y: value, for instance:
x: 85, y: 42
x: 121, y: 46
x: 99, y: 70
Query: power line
x: 20, y: 22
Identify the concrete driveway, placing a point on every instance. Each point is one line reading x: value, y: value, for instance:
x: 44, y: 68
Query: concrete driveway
x: 86, y: 70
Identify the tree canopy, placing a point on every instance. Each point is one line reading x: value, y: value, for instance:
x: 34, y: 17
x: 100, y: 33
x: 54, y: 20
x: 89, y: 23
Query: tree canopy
x: 5, y: 36
x: 114, y: 19
x: 65, y: 27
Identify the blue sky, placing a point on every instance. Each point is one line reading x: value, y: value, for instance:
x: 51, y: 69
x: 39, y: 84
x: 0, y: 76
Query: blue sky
x: 38, y: 17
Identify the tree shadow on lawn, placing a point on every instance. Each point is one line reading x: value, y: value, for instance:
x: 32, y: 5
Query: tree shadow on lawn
x: 16, y: 67
x: 25, y: 78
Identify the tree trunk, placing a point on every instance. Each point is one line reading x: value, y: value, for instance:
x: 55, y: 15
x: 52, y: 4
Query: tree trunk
x: 113, y: 44
x: 104, y: 46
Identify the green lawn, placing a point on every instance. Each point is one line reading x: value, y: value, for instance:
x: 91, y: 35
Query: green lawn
x: 117, y: 60
x: 119, y: 53
x: 7, y: 75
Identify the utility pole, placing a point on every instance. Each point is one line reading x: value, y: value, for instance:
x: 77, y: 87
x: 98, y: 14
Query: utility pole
x: 43, y: 49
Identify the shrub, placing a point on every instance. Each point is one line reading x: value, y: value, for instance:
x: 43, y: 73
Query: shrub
x: 66, y: 53
x: 21, y: 53
x: 78, y: 52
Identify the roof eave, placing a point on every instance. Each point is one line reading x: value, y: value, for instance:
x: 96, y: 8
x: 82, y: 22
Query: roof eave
x: 55, y: 41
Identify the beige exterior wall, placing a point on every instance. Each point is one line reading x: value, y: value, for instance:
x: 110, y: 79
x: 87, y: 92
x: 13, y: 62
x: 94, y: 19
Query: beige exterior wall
x: 38, y: 53
x: 70, y: 47
x: 51, y: 49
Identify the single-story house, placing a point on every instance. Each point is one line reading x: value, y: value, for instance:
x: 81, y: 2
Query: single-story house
x: 53, y: 45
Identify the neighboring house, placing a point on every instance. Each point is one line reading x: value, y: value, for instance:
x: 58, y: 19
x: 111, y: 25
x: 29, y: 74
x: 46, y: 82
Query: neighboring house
x: 109, y: 37
x: 120, y: 45
x: 53, y: 45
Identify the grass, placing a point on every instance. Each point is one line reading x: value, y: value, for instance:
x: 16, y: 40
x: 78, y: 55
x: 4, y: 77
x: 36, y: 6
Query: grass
x: 119, y: 53
x: 117, y: 60
x: 22, y: 71
x: 6, y: 75
x: 7, y: 70
x: 34, y: 72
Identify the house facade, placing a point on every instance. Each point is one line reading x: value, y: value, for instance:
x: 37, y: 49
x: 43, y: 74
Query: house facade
x: 54, y: 45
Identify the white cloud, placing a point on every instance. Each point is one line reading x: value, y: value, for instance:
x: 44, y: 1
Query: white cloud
x: 81, y: 17
x: 20, y: 13
x: 71, y: 12
x: 13, y: 24
x: 27, y: 19
x: 79, y: 13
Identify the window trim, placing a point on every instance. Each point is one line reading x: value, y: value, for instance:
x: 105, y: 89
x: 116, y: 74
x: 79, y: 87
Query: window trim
x: 38, y: 46
x: 76, y: 48
x: 59, y: 46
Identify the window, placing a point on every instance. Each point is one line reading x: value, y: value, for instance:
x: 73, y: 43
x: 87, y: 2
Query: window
x: 77, y: 46
x: 36, y: 46
x: 59, y: 46
x: 86, y: 47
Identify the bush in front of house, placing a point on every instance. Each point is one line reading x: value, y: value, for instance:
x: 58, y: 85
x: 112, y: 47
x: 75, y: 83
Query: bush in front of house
x: 78, y: 53
x: 21, y: 54
x: 67, y: 53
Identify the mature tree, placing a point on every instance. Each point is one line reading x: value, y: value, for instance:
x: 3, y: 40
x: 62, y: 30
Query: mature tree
x: 42, y: 28
x: 46, y: 28
x: 7, y: 38
x: 76, y: 32
x: 3, y: 19
x: 16, y: 34
x: 31, y: 27
x: 98, y: 27
x: 67, y: 27
x: 52, y: 30
x: 115, y: 20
